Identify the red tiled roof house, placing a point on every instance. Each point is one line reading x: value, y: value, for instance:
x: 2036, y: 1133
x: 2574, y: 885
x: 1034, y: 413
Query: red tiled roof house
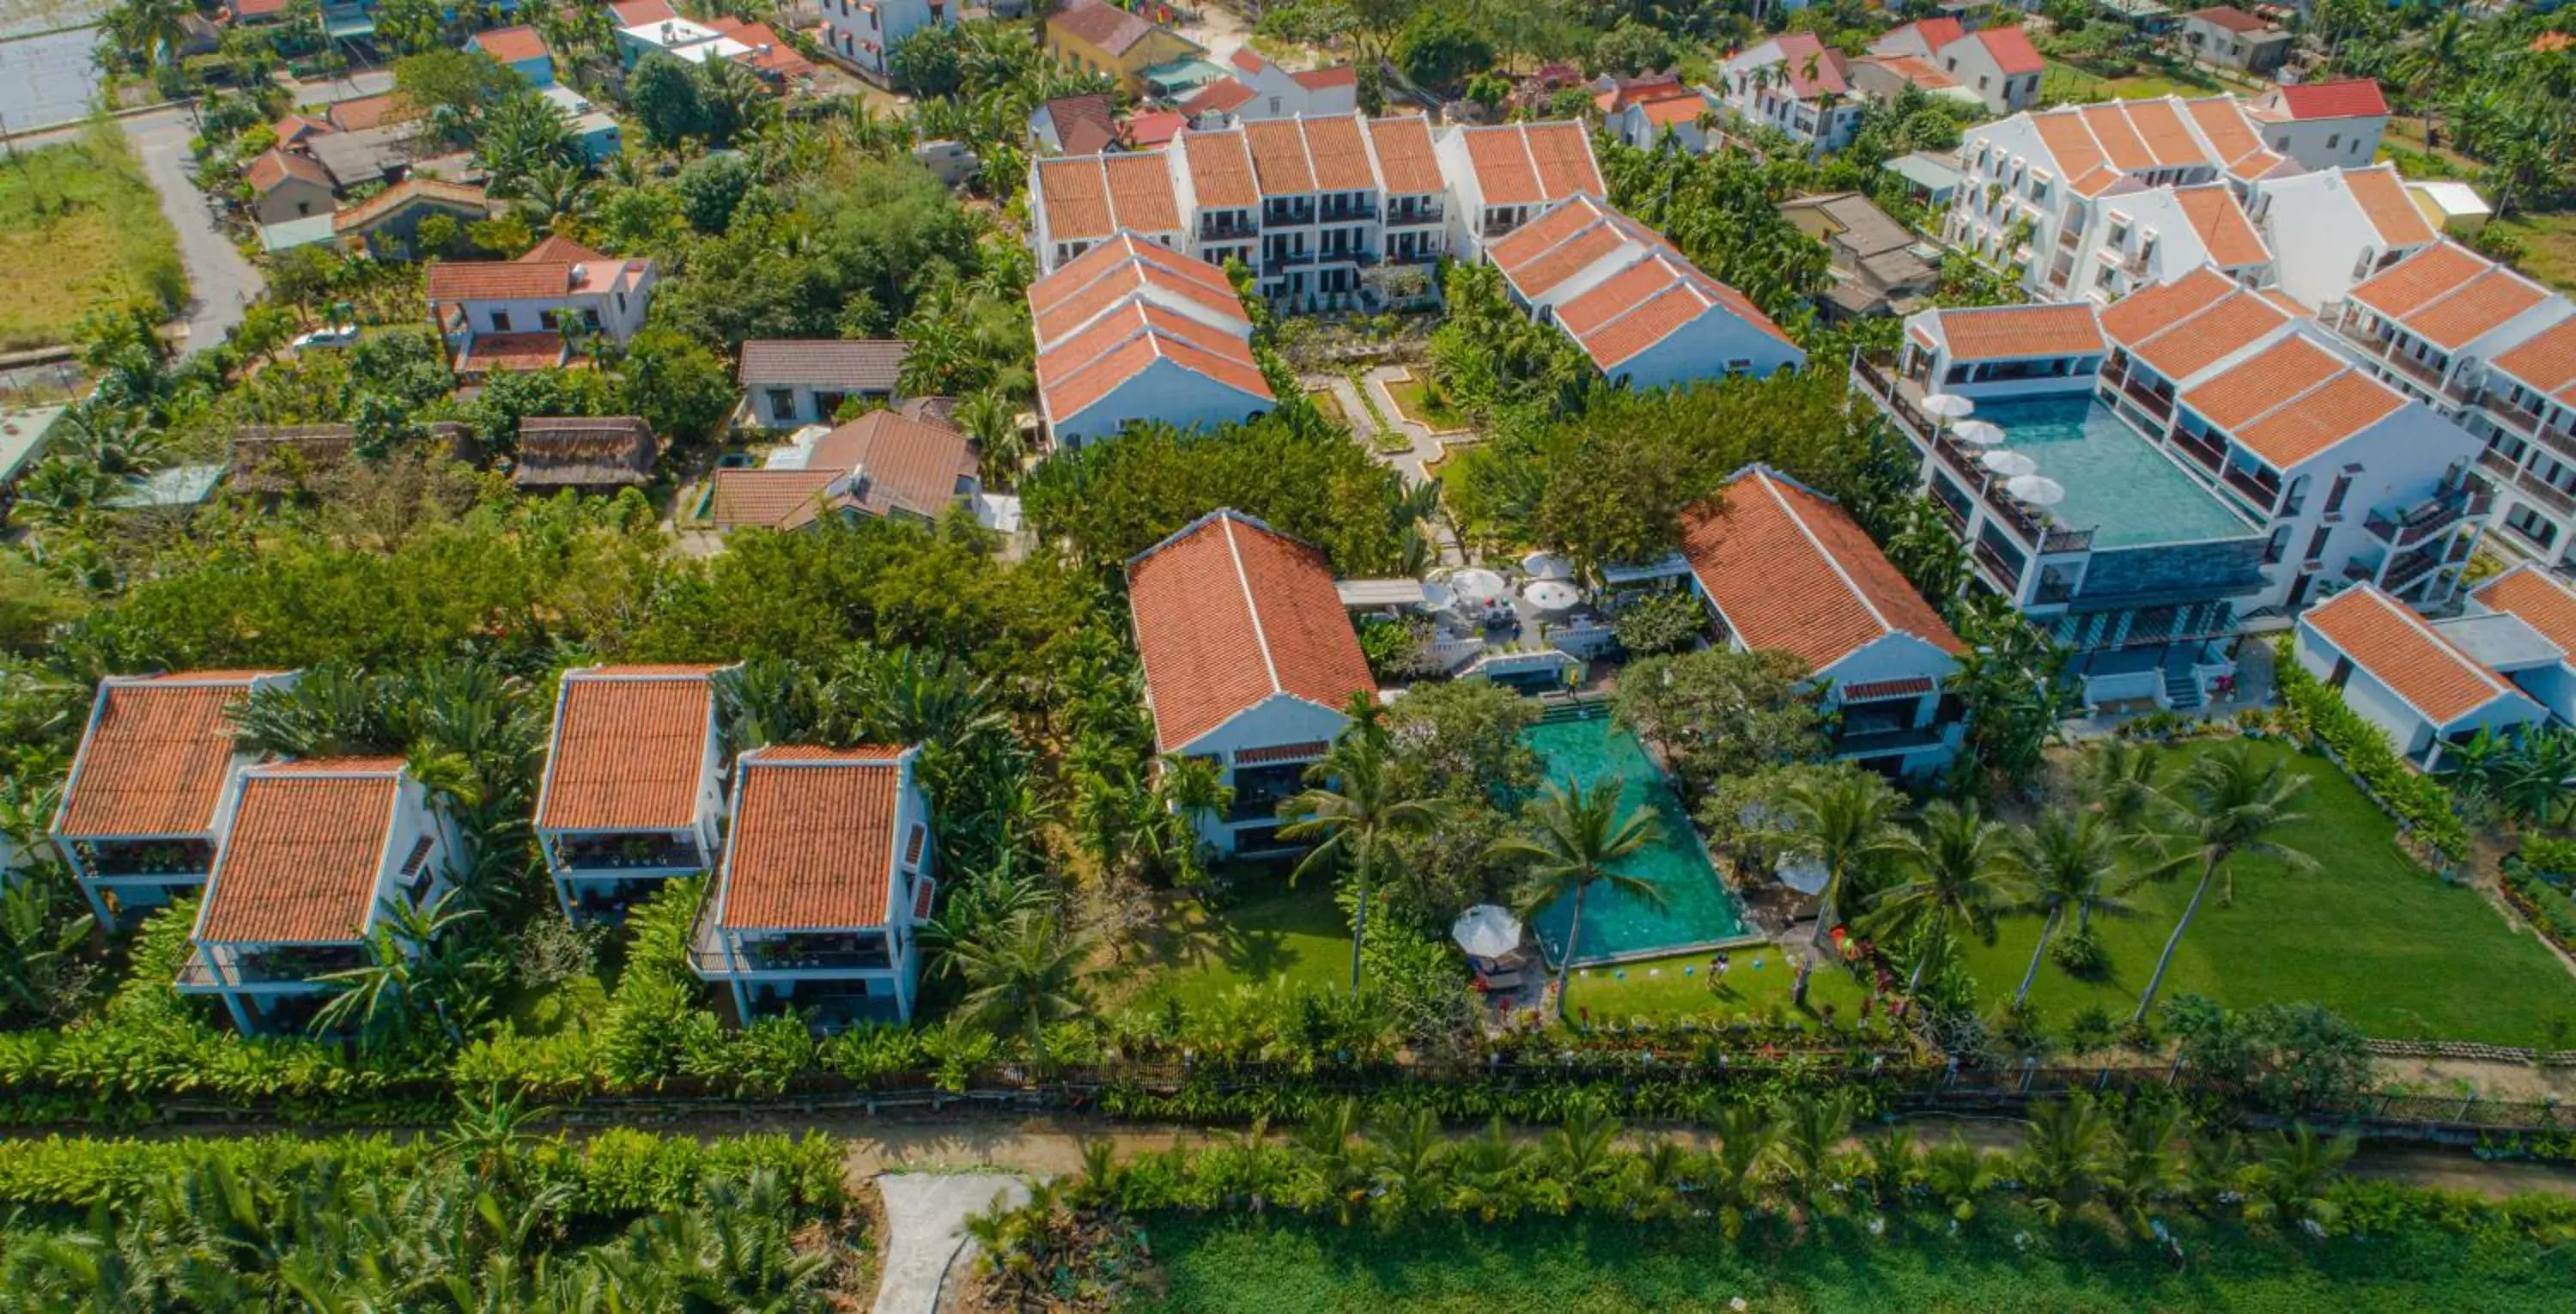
x: 513, y: 313
x: 1131, y: 332
x: 151, y: 787
x: 316, y: 856
x: 1249, y: 659
x: 829, y: 869
x: 2426, y: 684
x: 633, y: 792
x: 1784, y: 568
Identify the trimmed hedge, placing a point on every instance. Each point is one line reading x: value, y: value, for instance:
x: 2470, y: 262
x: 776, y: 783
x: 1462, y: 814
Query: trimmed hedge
x: 2420, y: 803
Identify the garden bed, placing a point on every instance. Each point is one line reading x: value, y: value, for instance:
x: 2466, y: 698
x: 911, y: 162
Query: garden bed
x: 1413, y: 398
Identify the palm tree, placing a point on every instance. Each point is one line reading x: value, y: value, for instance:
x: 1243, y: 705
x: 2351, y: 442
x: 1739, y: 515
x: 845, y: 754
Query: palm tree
x: 2290, y: 1182
x: 2432, y: 62
x: 1351, y: 806
x: 1022, y: 973
x: 2142, y: 1167
x: 1746, y: 1134
x: 2066, y: 861
x: 1842, y: 821
x: 992, y: 421
x: 1812, y: 1129
x: 2235, y: 806
x: 2119, y: 776
x: 382, y: 994
x: 1956, y: 1173
x: 1578, y: 836
x: 1959, y: 871
x: 2061, y: 1162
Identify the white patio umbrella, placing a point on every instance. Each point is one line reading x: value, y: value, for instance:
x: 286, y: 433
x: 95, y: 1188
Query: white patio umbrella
x: 1977, y: 433
x: 1949, y: 406
x: 2008, y: 464
x: 1437, y: 598
x: 1546, y: 565
x: 1486, y: 931
x: 1551, y: 595
x: 1480, y: 586
x: 2038, y: 490
x: 1799, y: 872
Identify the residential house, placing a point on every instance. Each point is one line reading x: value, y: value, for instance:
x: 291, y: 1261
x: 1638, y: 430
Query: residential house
x: 1880, y: 267
x: 767, y: 54
x: 1249, y: 662
x: 275, y: 460
x: 787, y: 383
x: 1503, y: 176
x: 885, y: 464
x: 1997, y: 64
x: 590, y: 455
x: 2323, y: 124
x: 1785, y: 568
x: 2232, y: 38
x: 865, y: 32
x: 1131, y: 332
x: 1644, y: 121
x: 1090, y: 36
x: 633, y: 793
x: 296, y: 129
x: 594, y: 130
x: 1259, y: 89
x: 683, y: 39
x: 388, y: 223
x: 1076, y: 125
x: 1796, y: 84
x: 512, y: 313
x: 520, y: 50
x: 316, y: 857
x: 1647, y: 317
x: 360, y: 113
x: 150, y: 788
x: 827, y: 871
x: 285, y: 186
x: 363, y: 157
x: 2428, y: 685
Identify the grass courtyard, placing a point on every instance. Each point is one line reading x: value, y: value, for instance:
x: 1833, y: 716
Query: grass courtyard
x: 80, y: 224
x: 2064, y: 81
x: 2368, y: 935
x: 1414, y: 398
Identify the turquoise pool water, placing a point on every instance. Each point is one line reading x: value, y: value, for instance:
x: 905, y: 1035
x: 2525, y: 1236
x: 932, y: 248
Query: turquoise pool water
x: 1696, y: 910
x: 2117, y: 483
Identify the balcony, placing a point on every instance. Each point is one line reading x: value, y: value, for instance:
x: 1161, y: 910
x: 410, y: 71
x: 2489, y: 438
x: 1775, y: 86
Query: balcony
x: 842, y: 951
x: 2156, y: 402
x: 1216, y: 228
x: 2004, y: 574
x: 614, y: 854
x: 1404, y: 216
x: 2527, y: 423
x: 2384, y: 350
x: 2262, y: 493
x: 2053, y: 588
x: 1275, y: 260
x: 176, y: 859
x: 1346, y: 214
x: 1877, y: 378
x: 2428, y: 520
x: 2207, y: 455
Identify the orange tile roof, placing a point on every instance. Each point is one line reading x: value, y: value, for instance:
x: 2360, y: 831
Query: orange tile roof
x: 2069, y: 142
x: 274, y: 166
x: 2546, y: 361
x: 1140, y: 192
x: 2120, y: 140
x: 1531, y: 163
x: 769, y: 499
x: 2340, y: 99
x: 367, y: 111
x: 2167, y: 139
x: 512, y: 351
x: 2012, y: 50
x: 1279, y: 159
x: 2383, y: 200
x: 1092, y: 196
x: 630, y: 745
x: 2347, y: 404
x: 306, y: 849
x: 512, y: 45
x: 2263, y: 381
x: 2151, y: 310
x: 2477, y: 308
x: 2225, y: 232
x: 1122, y: 267
x: 1078, y: 372
x: 2540, y: 599
x: 1229, y: 613
x: 1790, y: 570
x: 156, y: 755
x: 1404, y: 155
x: 813, y: 844
x: 2015, y: 332
x: 1220, y: 167
x: 2222, y: 123
x: 2399, y: 650
x: 1915, y: 71
x: 1339, y: 154
x: 2419, y: 278
x: 900, y: 463
x: 2233, y: 323
x: 1674, y: 112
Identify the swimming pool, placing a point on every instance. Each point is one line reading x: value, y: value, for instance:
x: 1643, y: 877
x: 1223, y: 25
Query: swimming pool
x: 2117, y: 484
x: 1697, y: 911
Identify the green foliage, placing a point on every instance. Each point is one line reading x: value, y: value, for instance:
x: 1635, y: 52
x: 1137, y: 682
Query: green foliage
x: 2419, y: 802
x: 679, y: 386
x: 1660, y: 623
x: 1440, y: 48
x: 2277, y: 1058
x: 1718, y: 713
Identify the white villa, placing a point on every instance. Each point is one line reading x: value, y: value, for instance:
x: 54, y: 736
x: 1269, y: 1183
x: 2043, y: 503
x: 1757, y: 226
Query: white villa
x: 633, y: 793
x: 514, y: 313
x: 1132, y: 331
x: 1796, y: 84
x: 2430, y: 684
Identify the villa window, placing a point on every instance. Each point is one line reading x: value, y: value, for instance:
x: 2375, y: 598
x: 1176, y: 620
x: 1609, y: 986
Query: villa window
x: 2278, y: 547
x: 2317, y: 543
x: 500, y: 321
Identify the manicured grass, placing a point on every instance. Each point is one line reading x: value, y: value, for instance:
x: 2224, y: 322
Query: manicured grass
x: 2006, y: 1260
x: 1414, y: 399
x: 2549, y: 244
x: 1330, y: 405
x: 80, y: 224
x: 2368, y: 935
x: 2064, y: 81
x: 1661, y: 987
x: 1267, y: 932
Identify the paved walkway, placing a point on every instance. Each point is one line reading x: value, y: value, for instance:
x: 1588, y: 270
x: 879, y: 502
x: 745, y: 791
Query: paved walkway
x: 925, y: 1240
x: 220, y: 281
x: 1414, y: 463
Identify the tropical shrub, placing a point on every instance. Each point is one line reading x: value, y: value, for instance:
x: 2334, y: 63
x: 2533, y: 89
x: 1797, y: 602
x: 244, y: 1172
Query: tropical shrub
x: 2419, y: 803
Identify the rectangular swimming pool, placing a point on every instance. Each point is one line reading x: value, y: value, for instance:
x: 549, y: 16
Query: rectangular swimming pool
x: 2117, y: 483
x: 1697, y: 910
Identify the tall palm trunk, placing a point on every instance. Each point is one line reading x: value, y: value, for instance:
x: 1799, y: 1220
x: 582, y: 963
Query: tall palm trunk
x: 2046, y: 928
x: 1573, y: 937
x: 1359, y: 931
x: 2172, y: 942
x: 1940, y: 945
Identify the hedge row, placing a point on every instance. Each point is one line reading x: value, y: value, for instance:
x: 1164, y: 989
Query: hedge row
x: 2419, y: 803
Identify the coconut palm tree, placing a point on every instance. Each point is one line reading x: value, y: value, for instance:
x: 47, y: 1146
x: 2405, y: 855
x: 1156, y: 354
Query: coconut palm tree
x: 2120, y: 777
x: 1578, y: 837
x: 2432, y: 62
x: 1022, y: 973
x: 1812, y: 1129
x: 2061, y: 1162
x: 2066, y: 861
x: 2235, y: 806
x: 1352, y: 808
x: 1959, y: 873
x: 992, y: 420
x: 2142, y: 1169
x: 382, y: 996
x: 2291, y: 1180
x: 1843, y: 822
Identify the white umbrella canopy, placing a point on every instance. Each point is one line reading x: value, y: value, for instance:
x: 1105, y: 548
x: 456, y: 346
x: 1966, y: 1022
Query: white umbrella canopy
x: 1977, y: 433
x: 1546, y: 565
x: 2009, y: 464
x: 1486, y: 931
x: 1480, y: 586
x: 1799, y: 872
x: 2038, y: 490
x: 1949, y: 406
x: 1438, y: 598
x: 1552, y: 595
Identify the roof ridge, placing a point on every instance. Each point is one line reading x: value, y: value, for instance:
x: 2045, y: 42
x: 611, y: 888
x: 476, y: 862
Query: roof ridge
x: 1869, y: 604
x: 1252, y: 607
x: 2408, y: 615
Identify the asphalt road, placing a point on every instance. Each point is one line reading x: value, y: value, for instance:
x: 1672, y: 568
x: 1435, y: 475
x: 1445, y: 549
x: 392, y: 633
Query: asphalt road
x: 220, y: 281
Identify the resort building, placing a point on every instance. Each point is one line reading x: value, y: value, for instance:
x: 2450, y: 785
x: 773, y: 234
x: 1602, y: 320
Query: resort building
x: 1259, y: 89
x: 2333, y: 229
x: 2526, y: 411
x: 513, y: 313
x: 151, y: 787
x: 315, y: 857
x: 1133, y: 332
x: 2427, y: 684
x: 633, y: 793
x: 1091, y: 36
x: 884, y: 464
x: 1998, y: 64
x: 828, y: 870
x: 1785, y: 568
x: 1249, y: 660
x: 787, y: 384
x: 865, y: 32
x: 1501, y: 177
x: 1797, y: 85
x: 1646, y: 317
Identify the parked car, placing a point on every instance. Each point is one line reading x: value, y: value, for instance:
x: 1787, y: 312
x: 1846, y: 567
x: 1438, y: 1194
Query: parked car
x: 321, y: 338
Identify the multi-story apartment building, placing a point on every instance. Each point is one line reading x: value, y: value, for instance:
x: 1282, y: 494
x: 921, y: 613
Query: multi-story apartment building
x: 1796, y: 84
x: 1502, y: 177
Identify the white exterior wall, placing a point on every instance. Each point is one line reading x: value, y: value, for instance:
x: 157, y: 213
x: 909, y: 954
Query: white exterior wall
x: 2322, y: 243
x: 1163, y: 391
x: 1278, y: 721
x: 1902, y: 657
x: 2403, y: 460
x: 1972, y: 66
x: 801, y: 408
x: 2405, y: 727
x: 1708, y: 347
x: 621, y: 314
x: 2325, y: 143
x: 754, y: 984
x: 866, y: 33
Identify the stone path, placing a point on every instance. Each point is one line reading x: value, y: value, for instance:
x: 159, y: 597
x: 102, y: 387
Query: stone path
x: 925, y: 1243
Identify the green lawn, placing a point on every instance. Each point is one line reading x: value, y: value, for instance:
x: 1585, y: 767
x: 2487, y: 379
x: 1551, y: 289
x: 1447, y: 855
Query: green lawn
x: 2064, y: 81
x: 1330, y: 405
x: 80, y: 224
x: 2369, y: 935
x: 2549, y: 244
x: 1414, y: 399
x: 1660, y: 987
x: 2005, y: 1260
x: 1268, y: 932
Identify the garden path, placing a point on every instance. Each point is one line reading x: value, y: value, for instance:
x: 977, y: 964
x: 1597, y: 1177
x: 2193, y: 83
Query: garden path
x: 926, y: 1217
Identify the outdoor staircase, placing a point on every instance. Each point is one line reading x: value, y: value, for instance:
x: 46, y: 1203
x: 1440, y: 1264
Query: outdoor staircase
x: 2182, y: 693
x: 1557, y: 711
